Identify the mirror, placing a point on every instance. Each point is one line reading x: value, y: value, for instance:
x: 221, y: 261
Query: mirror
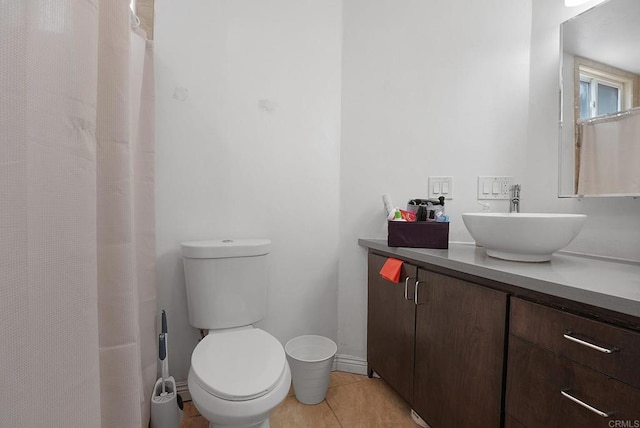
x: 600, y: 99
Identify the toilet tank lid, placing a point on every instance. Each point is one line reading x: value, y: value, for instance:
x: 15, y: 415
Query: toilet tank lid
x: 225, y: 248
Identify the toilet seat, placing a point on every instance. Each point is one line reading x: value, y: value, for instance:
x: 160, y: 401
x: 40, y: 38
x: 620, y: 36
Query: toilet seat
x: 238, y: 365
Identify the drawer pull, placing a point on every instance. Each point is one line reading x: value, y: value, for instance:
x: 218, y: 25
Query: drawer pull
x: 585, y: 405
x: 568, y: 335
x: 406, y: 286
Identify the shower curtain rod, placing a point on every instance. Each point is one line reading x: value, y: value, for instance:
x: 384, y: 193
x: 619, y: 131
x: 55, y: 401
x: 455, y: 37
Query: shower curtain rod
x: 611, y: 116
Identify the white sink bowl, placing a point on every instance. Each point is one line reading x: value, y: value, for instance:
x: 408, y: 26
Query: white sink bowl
x: 523, y: 237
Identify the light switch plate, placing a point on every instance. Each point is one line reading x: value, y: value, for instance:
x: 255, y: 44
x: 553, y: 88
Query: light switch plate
x: 495, y: 187
x: 440, y: 186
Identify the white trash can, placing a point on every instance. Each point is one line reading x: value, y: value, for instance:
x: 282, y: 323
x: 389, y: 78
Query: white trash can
x: 310, y: 359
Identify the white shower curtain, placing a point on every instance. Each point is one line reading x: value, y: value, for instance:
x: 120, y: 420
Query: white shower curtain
x: 77, y: 239
x: 610, y: 155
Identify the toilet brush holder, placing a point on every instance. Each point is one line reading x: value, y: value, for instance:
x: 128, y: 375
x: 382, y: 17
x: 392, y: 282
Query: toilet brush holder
x: 166, y: 409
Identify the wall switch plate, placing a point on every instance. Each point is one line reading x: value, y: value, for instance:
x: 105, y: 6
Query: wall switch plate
x: 440, y: 186
x: 491, y: 187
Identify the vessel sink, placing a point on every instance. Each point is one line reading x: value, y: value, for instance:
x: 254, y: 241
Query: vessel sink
x: 523, y: 237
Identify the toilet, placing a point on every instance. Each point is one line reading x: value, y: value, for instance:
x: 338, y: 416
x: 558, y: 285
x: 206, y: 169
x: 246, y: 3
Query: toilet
x: 239, y: 374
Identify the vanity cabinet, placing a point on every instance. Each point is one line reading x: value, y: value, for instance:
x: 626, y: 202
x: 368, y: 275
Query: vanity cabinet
x: 568, y: 371
x: 439, y: 342
x: 391, y: 326
x: 481, y: 343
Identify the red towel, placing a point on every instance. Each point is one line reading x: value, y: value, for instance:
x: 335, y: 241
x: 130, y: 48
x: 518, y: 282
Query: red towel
x: 391, y: 270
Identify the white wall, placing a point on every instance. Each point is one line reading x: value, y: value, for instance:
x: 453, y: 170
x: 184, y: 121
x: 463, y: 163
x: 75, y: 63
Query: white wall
x: 613, y: 225
x: 249, y: 144
x: 248, y: 123
x: 429, y: 88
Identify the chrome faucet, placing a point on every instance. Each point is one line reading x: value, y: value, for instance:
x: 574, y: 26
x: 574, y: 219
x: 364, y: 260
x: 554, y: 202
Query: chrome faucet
x: 514, y: 205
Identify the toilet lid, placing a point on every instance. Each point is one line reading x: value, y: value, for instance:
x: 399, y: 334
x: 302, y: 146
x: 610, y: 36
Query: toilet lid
x: 238, y: 365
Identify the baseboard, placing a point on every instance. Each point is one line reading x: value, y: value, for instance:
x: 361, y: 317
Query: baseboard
x: 350, y: 364
x: 183, y: 389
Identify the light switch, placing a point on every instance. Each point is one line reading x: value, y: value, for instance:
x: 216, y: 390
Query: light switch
x: 494, y: 187
x: 440, y: 186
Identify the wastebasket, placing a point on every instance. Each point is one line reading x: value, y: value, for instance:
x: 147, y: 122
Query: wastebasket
x: 310, y: 359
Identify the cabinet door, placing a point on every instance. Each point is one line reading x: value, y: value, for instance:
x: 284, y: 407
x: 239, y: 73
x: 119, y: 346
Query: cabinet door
x: 511, y: 422
x: 390, y: 327
x: 460, y: 345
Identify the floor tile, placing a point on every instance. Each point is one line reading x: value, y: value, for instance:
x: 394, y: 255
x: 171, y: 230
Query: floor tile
x: 368, y: 404
x: 344, y: 378
x: 189, y: 410
x: 291, y: 413
x: 353, y: 401
x: 194, y: 422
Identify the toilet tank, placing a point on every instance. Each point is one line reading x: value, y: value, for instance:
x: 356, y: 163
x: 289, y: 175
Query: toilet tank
x: 226, y: 282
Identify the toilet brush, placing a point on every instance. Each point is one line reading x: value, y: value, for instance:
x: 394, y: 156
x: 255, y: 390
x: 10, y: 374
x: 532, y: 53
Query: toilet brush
x: 164, y: 346
x: 163, y: 362
x: 165, y: 402
x: 166, y: 336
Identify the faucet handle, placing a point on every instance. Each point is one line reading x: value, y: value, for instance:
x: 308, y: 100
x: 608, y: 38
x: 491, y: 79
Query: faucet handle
x: 514, y: 205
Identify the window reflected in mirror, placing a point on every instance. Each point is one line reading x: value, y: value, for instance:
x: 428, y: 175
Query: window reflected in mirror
x: 600, y: 102
x: 602, y: 89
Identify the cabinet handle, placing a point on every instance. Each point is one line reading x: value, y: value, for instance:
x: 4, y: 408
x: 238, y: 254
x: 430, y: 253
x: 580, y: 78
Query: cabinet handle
x: 585, y: 405
x: 406, y: 286
x: 416, y: 293
x: 569, y: 335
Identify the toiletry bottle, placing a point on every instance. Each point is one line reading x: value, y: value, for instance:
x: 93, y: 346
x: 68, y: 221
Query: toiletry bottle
x: 397, y: 216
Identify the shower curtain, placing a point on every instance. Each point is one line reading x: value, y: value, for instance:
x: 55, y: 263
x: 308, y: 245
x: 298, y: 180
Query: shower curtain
x: 610, y: 155
x: 77, y: 239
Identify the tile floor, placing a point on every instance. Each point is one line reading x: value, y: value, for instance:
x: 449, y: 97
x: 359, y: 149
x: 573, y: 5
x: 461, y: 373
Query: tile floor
x: 353, y: 401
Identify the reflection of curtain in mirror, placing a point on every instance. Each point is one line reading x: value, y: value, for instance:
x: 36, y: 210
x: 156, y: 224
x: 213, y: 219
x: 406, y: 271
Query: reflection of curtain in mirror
x: 610, y: 155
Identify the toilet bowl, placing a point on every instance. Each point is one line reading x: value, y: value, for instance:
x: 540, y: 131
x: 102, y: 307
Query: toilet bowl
x: 238, y: 377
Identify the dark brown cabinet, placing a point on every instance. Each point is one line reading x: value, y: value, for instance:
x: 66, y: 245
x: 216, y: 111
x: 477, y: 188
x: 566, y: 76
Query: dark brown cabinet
x: 568, y: 371
x: 466, y: 351
x: 444, y: 353
x: 460, y: 337
x: 391, y: 326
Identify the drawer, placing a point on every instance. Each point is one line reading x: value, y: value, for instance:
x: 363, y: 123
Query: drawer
x: 611, y: 350
x: 536, y: 379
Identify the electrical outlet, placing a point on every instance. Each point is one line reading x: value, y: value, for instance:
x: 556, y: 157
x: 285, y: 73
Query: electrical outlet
x: 491, y: 187
x: 440, y: 186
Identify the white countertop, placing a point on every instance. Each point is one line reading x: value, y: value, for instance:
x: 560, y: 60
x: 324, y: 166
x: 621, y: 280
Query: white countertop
x: 607, y: 284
